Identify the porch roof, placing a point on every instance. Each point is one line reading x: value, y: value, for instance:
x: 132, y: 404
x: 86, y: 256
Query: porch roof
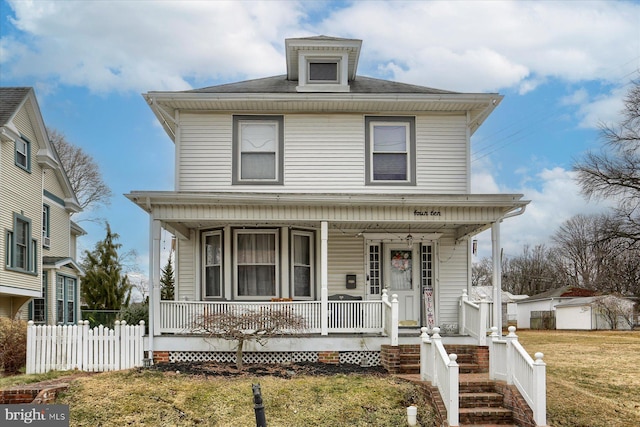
x: 467, y: 214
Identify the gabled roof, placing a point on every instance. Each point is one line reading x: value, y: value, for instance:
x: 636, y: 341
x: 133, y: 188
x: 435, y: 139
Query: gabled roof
x: 58, y: 262
x: 12, y: 98
x: 564, y: 292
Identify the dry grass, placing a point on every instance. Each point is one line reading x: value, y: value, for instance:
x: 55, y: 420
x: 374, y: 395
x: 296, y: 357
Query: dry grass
x: 168, y: 399
x: 593, y: 377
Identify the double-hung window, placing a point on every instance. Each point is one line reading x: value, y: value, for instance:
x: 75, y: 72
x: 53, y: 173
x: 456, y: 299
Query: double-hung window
x: 302, y: 264
x: 258, y: 149
x: 212, y: 264
x: 65, y: 299
x: 390, y: 150
x: 23, y: 154
x: 21, y: 249
x: 256, y: 263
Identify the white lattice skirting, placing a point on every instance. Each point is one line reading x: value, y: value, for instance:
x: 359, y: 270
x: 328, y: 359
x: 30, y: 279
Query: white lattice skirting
x: 367, y: 358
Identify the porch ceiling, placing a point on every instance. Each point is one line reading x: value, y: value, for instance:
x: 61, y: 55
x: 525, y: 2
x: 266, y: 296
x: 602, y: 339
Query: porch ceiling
x: 350, y: 213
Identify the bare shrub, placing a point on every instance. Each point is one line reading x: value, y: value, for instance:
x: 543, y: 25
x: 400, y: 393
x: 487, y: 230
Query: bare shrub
x: 249, y: 325
x: 13, y: 345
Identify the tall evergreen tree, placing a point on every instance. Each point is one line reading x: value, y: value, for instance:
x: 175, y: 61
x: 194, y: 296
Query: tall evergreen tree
x: 104, y: 286
x: 167, y: 281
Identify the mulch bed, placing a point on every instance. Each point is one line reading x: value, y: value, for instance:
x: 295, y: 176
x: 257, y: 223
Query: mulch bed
x: 276, y: 370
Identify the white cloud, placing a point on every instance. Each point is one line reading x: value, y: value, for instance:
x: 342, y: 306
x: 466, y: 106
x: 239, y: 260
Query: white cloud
x: 555, y: 197
x: 465, y: 46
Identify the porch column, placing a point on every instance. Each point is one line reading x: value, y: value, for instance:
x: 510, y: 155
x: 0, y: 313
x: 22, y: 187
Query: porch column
x: 497, y: 277
x: 154, y: 278
x: 324, y: 278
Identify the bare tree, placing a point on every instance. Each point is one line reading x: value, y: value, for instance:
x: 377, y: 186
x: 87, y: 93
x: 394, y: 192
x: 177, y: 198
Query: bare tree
x: 258, y: 325
x: 83, y: 173
x: 481, y: 272
x: 615, y: 310
x: 531, y: 272
x: 615, y: 171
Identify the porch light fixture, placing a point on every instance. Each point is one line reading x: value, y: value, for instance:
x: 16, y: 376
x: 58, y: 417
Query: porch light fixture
x: 409, y: 240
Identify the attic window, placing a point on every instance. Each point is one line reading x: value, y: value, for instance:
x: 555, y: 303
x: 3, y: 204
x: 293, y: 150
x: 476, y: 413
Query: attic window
x: 320, y: 72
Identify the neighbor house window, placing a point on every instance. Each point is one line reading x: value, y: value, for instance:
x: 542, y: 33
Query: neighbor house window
x: 212, y: 264
x: 65, y: 299
x: 323, y: 71
x: 21, y: 248
x: 38, y: 306
x: 258, y: 146
x: 390, y: 150
x: 23, y: 154
x: 256, y: 263
x: 302, y: 266
x: 46, y: 241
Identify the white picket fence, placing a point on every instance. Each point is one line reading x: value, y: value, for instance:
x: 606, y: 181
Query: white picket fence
x: 69, y: 347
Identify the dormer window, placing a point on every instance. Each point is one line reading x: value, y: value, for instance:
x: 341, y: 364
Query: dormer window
x: 320, y: 72
x: 322, y: 64
x: 323, y: 72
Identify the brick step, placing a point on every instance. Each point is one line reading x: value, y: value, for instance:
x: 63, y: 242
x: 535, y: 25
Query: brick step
x: 485, y: 416
x: 484, y: 399
x: 476, y: 386
x: 409, y: 368
x: 468, y: 368
x: 409, y: 357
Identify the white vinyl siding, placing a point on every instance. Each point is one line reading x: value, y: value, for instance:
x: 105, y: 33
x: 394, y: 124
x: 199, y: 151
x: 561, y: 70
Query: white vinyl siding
x: 452, y: 271
x: 185, y: 270
x: 322, y: 153
x: 346, y: 256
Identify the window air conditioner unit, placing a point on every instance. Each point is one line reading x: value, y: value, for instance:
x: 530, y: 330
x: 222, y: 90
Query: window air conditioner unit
x: 46, y: 241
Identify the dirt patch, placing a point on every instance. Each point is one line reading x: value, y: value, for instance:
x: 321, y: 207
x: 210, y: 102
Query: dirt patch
x: 276, y: 370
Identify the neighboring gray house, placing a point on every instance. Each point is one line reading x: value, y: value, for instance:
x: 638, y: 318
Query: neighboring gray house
x: 546, y: 302
x: 314, y: 188
x: 597, y: 312
x: 39, y: 275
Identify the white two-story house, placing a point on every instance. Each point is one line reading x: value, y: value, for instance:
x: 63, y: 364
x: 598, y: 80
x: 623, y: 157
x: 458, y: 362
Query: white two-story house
x: 39, y: 275
x: 336, y: 194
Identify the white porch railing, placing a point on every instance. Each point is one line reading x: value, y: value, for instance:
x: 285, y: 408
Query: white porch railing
x: 390, y: 316
x: 342, y: 316
x: 442, y: 371
x: 509, y: 361
x: 71, y: 347
x: 475, y: 319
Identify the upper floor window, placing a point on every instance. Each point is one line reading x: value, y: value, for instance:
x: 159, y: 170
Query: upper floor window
x: 21, y: 249
x: 23, y: 154
x: 390, y: 150
x: 46, y: 212
x: 258, y: 149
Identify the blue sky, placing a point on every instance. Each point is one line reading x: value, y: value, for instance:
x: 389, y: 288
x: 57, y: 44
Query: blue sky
x: 563, y: 67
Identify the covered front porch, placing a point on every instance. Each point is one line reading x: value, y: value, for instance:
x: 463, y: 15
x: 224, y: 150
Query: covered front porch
x: 374, y: 265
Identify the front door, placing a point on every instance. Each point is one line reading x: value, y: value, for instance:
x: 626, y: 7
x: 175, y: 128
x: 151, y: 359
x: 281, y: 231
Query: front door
x: 402, y: 278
